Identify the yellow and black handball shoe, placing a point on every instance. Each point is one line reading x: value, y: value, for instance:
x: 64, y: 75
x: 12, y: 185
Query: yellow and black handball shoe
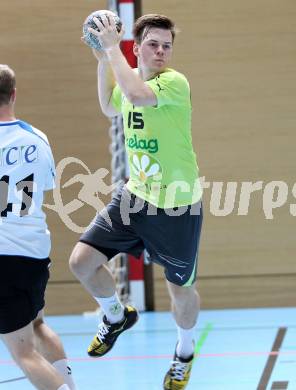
x: 177, y: 377
x: 108, y: 333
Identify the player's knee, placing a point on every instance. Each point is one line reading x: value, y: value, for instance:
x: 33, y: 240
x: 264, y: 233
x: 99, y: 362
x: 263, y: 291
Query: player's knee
x: 85, y: 260
x: 80, y: 264
x: 77, y: 263
x: 183, y: 295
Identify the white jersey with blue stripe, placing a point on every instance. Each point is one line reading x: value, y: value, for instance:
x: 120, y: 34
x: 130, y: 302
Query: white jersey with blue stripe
x: 26, y: 170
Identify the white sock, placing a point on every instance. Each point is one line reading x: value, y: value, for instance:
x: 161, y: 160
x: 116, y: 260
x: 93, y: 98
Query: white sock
x: 64, y: 387
x: 185, y: 346
x: 112, y: 307
x: 64, y: 370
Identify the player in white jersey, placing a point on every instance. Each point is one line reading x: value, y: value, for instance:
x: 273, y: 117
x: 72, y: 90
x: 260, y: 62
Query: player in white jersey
x: 26, y: 171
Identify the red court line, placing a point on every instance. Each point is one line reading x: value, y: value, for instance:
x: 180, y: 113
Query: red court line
x: 153, y: 357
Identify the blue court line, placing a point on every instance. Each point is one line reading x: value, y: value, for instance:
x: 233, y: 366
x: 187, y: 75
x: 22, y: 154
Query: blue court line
x: 218, y: 329
x: 13, y: 380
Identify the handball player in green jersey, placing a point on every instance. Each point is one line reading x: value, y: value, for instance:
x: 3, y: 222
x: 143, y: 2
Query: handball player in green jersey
x: 159, y: 208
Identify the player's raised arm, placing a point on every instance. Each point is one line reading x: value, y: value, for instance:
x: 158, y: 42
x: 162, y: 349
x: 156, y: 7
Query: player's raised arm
x: 106, y: 81
x: 106, y: 84
x: 130, y: 83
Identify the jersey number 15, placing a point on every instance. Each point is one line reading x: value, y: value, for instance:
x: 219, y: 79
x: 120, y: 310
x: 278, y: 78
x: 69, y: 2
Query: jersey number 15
x: 135, y: 120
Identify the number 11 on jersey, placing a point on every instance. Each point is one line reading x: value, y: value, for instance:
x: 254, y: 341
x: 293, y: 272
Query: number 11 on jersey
x: 25, y: 186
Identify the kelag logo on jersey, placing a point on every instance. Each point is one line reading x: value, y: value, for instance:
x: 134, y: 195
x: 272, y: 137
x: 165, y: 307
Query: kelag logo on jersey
x: 15, y: 155
x: 151, y: 145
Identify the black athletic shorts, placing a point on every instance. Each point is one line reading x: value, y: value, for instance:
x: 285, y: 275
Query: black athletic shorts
x: 22, y: 286
x: 170, y: 236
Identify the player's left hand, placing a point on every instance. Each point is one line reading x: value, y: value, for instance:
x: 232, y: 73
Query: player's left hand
x: 107, y: 34
x: 100, y: 55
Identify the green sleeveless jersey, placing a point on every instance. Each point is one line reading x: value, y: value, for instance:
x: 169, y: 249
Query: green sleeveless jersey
x: 162, y: 162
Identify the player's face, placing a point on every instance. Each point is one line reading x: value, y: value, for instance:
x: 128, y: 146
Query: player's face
x: 155, y: 50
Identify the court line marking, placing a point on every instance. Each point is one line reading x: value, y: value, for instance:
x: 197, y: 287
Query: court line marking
x: 13, y: 380
x: 202, y: 339
x: 148, y: 357
x: 283, y: 385
x: 269, y: 366
x: 216, y: 329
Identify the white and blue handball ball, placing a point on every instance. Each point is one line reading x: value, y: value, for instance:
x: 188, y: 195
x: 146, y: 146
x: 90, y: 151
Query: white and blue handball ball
x: 90, y: 39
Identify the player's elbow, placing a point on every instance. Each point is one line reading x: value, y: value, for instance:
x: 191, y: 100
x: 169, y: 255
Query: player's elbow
x: 109, y: 111
x: 109, y: 114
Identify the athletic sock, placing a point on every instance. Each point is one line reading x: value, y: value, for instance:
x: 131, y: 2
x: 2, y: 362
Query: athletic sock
x: 64, y: 387
x: 65, y: 371
x: 112, y: 308
x: 185, y: 346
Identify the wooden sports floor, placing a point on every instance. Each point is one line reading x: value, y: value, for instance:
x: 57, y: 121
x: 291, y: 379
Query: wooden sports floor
x: 251, y: 349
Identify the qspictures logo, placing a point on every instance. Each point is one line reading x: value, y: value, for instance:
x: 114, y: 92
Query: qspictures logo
x: 225, y: 198
x: 92, y: 186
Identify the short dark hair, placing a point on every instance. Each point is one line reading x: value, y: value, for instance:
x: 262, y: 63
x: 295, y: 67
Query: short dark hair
x: 7, y: 84
x: 146, y: 22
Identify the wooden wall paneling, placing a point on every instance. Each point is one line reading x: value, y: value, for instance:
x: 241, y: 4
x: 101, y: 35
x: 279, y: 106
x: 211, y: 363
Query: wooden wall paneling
x: 239, y: 291
x: 240, y: 59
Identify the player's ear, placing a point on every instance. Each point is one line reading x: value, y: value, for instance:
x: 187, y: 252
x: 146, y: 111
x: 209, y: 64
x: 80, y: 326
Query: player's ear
x: 13, y: 96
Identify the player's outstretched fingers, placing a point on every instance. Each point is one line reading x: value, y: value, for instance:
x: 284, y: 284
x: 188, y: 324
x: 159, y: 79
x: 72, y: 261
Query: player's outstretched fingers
x: 94, y: 32
x: 106, y: 21
x: 99, y: 23
x: 112, y: 24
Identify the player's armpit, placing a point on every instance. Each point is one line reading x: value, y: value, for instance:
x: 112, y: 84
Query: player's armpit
x: 110, y: 111
x: 144, y: 97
